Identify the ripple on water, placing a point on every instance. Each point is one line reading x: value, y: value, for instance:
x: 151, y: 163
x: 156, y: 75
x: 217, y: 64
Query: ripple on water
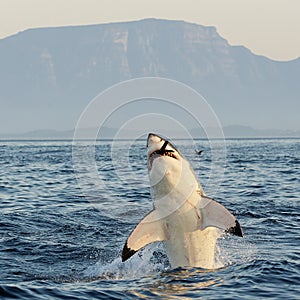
x: 55, y: 244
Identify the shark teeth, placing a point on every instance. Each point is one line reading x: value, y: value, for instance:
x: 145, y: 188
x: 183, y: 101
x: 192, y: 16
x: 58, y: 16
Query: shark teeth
x: 169, y: 153
x: 158, y: 153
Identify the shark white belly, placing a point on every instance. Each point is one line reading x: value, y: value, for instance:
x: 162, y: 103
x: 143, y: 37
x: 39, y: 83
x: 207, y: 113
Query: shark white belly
x: 197, y: 249
x: 184, y: 218
x: 188, y: 247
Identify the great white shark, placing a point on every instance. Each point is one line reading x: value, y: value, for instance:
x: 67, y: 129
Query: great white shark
x: 183, y: 217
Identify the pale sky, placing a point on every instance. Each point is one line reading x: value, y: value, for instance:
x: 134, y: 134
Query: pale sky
x: 267, y: 27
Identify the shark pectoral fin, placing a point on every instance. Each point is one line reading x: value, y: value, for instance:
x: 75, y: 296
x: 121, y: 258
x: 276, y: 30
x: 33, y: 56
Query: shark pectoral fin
x: 150, y: 229
x: 216, y: 215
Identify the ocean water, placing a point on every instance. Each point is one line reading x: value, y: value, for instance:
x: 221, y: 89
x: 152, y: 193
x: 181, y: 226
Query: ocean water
x: 62, y: 228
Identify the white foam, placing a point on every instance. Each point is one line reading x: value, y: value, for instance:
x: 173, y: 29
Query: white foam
x: 139, y: 265
x: 234, y: 250
x: 229, y: 250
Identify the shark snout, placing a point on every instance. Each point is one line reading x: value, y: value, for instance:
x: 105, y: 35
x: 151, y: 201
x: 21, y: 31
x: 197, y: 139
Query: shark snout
x: 160, y: 147
x: 154, y: 139
x: 154, y: 143
x: 157, y: 143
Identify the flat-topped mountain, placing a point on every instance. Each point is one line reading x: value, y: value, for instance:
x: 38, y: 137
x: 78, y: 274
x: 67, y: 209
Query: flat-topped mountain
x: 49, y: 75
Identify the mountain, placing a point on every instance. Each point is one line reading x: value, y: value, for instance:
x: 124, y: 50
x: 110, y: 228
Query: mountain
x: 106, y: 133
x: 49, y: 75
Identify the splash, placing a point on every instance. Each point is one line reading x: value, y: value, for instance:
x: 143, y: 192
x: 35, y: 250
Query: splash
x: 149, y: 261
x: 233, y: 250
x: 152, y: 260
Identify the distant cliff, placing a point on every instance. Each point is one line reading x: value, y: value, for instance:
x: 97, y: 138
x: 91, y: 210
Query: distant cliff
x: 48, y: 75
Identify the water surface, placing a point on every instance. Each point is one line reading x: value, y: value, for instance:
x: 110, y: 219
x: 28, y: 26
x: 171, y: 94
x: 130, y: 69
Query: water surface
x: 63, y: 240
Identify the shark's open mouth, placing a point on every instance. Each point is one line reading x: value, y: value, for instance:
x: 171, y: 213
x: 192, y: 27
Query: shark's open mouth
x: 162, y: 152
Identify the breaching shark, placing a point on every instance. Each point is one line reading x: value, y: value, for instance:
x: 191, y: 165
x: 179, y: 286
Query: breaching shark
x: 183, y: 217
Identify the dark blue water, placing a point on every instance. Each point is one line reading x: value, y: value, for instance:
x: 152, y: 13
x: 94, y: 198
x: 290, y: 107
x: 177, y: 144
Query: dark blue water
x: 63, y: 240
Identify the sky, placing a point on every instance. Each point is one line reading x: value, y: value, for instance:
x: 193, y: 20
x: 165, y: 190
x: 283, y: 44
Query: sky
x: 267, y: 27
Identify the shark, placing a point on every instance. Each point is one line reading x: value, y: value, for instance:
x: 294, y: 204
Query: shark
x: 186, y: 220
